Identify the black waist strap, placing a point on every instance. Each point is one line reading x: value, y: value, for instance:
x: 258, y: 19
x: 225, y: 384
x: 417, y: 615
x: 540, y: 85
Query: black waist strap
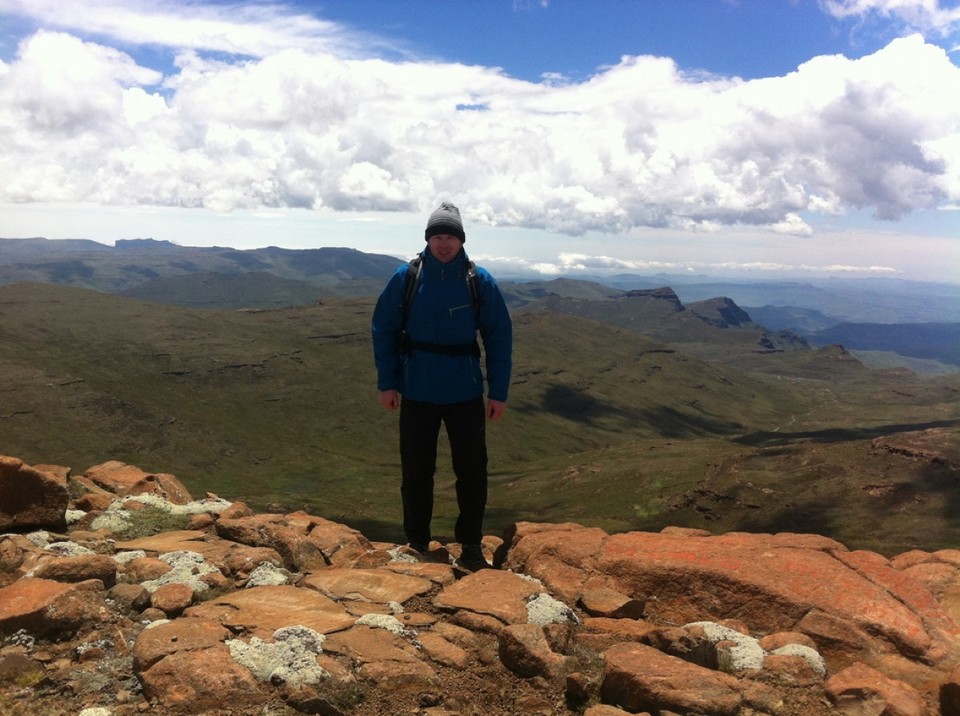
x: 462, y: 349
x: 445, y: 349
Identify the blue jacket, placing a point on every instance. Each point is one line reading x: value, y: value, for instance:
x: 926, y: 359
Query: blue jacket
x: 442, y: 312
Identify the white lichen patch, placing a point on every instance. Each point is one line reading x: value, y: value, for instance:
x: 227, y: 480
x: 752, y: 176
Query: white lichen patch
x: 385, y: 621
x: 197, y: 507
x: 543, y: 609
x: 40, y: 538
x: 528, y: 578
x: 746, y: 654
x: 126, y: 557
x: 185, y: 568
x: 117, y: 519
x: 68, y: 549
x: 290, y: 659
x: 401, y: 554
x: 268, y: 575
x: 114, y: 519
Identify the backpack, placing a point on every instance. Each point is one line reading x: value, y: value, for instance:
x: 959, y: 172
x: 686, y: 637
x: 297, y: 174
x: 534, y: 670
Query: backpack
x: 411, y: 280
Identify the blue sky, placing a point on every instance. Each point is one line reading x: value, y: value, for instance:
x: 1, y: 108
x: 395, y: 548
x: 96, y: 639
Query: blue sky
x: 751, y: 39
x: 763, y: 138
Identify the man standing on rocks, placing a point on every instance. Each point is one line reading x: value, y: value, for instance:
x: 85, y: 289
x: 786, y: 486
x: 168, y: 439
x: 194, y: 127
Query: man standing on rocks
x: 425, y: 346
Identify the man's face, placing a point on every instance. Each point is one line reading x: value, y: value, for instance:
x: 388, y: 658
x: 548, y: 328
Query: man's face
x: 444, y: 248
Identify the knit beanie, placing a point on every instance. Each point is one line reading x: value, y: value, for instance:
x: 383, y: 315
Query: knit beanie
x: 445, y: 220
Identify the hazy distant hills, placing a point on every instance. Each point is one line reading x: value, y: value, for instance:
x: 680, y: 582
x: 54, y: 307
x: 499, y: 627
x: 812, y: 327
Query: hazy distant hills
x: 180, y: 275
x: 931, y: 341
x: 768, y: 316
x: 661, y: 314
x: 861, y: 300
x: 715, y: 329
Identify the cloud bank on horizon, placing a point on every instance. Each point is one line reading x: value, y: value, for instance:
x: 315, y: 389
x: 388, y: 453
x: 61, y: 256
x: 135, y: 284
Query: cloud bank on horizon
x: 268, y: 107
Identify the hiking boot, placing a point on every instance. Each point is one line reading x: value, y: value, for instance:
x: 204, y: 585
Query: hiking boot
x: 414, y: 551
x: 471, y: 558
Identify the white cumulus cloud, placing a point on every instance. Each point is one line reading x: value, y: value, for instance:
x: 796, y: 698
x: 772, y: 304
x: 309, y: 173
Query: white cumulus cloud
x: 296, y: 118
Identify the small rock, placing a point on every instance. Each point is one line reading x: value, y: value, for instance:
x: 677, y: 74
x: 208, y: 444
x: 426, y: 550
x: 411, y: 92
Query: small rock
x: 172, y: 599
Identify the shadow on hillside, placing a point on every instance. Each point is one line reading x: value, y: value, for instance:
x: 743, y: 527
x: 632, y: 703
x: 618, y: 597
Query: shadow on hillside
x: 763, y: 438
x: 891, y: 508
x: 942, y: 477
x: 898, y: 523
x: 672, y: 423
x: 578, y: 406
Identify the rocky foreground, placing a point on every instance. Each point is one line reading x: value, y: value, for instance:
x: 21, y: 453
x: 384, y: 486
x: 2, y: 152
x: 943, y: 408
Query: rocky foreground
x: 242, y: 613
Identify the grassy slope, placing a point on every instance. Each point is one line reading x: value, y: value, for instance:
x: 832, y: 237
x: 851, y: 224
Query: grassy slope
x: 606, y: 427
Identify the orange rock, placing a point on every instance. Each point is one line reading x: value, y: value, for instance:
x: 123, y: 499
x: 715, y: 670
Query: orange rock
x: 42, y: 606
x: 262, y: 610
x: 124, y: 480
x: 201, y: 680
x: 79, y: 569
x: 443, y: 652
x: 172, y: 599
x: 185, y: 634
x: 94, y: 501
x: 144, y: 569
x: 689, y: 578
x: 30, y: 497
x: 375, y: 585
x: 859, y: 685
x: 639, y: 677
x: 490, y: 592
x: 524, y: 649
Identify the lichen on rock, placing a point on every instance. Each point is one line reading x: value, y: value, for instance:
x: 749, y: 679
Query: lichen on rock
x: 289, y: 659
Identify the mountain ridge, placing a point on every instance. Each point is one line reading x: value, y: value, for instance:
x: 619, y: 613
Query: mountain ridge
x: 133, y: 263
x: 272, y: 277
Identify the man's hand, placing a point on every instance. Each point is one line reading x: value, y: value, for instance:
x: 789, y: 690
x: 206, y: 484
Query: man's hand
x: 496, y: 409
x: 390, y: 399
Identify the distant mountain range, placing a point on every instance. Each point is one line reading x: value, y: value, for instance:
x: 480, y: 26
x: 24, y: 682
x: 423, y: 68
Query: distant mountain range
x: 910, y: 319
x: 183, y: 275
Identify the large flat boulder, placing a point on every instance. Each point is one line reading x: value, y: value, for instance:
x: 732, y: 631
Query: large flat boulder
x: 125, y: 480
x: 641, y: 678
x: 260, y: 611
x: 769, y: 582
x: 375, y: 585
x: 30, y: 497
x: 43, y: 606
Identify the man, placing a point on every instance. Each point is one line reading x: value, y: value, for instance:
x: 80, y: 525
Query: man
x: 425, y: 346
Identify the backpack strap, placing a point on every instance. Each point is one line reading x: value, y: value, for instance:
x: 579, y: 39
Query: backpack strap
x: 471, y: 270
x: 411, y: 280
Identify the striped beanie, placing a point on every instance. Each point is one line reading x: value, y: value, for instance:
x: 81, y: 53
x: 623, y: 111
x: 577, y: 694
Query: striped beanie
x: 445, y: 220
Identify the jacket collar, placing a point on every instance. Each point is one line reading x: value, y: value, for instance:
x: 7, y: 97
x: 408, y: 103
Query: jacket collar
x: 431, y: 264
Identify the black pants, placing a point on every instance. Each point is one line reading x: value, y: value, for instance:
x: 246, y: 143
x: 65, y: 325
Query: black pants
x: 419, y: 431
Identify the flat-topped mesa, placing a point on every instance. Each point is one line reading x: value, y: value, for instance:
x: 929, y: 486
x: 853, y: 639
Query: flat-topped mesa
x: 721, y: 312
x: 664, y: 293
